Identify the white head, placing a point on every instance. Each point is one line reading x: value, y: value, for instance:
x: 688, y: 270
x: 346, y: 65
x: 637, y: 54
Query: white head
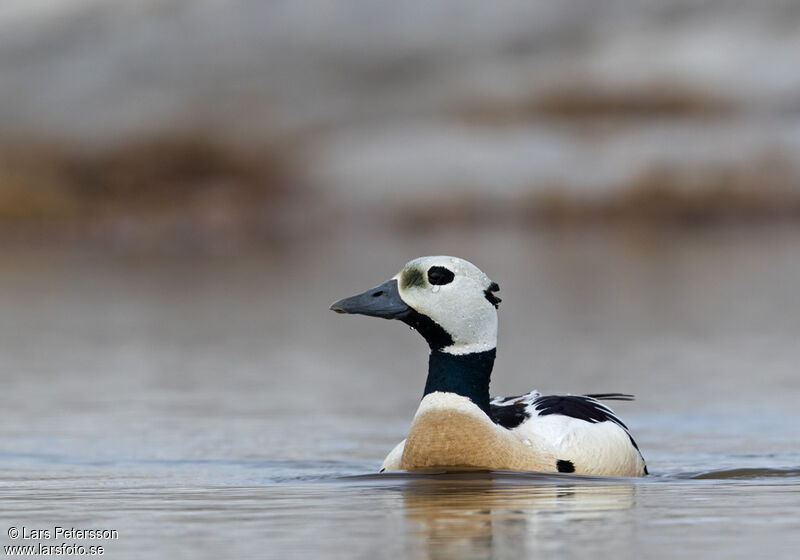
x: 450, y: 301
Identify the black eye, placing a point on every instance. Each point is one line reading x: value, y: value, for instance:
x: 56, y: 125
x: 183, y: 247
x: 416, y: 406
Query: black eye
x: 439, y: 275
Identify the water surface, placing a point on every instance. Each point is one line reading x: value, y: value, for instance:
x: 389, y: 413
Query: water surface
x: 213, y: 407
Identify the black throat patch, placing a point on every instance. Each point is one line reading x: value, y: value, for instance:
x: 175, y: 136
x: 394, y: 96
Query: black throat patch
x: 467, y: 375
x: 433, y: 333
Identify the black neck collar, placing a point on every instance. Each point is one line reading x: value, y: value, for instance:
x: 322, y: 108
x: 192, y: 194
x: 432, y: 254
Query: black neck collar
x: 466, y: 375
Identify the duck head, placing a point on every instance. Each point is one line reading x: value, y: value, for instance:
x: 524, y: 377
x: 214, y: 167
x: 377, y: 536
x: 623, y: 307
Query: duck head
x: 448, y: 300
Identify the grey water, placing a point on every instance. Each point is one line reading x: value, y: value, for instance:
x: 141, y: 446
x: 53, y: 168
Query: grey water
x: 208, y: 407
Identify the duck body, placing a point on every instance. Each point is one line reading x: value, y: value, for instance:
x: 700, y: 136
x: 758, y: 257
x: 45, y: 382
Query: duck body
x: 521, y: 434
x: 457, y: 425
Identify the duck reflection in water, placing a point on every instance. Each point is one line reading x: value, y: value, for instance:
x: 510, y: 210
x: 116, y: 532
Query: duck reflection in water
x: 490, y: 514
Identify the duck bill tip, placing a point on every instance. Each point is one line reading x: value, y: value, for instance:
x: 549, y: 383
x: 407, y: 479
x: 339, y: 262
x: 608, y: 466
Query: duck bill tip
x: 381, y: 301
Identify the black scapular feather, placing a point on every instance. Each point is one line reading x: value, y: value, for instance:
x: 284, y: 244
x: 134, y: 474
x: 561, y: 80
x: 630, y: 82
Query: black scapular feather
x: 509, y: 415
x: 576, y: 406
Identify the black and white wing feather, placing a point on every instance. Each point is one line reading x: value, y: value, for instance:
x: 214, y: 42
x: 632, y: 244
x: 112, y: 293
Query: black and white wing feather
x: 582, y: 429
x: 510, y: 412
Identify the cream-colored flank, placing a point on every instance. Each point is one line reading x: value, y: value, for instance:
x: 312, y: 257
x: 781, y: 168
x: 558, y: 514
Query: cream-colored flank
x: 451, y: 431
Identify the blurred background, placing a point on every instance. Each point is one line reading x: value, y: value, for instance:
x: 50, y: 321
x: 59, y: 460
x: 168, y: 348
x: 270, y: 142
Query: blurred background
x: 213, y: 125
x: 628, y: 171
x: 186, y: 185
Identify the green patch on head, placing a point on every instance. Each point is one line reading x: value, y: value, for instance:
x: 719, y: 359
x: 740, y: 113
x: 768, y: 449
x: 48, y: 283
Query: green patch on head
x: 412, y: 277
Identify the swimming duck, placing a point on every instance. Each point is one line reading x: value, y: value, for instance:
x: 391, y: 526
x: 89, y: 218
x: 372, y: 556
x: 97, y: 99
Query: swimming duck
x: 457, y: 426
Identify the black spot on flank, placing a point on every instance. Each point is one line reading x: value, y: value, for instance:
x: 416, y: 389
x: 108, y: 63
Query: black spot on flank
x: 412, y: 277
x: 439, y: 275
x: 565, y: 466
x: 509, y: 415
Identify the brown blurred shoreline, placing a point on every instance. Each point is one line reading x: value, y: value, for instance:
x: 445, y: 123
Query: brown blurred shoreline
x: 756, y: 192
x: 181, y: 189
x: 190, y: 191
